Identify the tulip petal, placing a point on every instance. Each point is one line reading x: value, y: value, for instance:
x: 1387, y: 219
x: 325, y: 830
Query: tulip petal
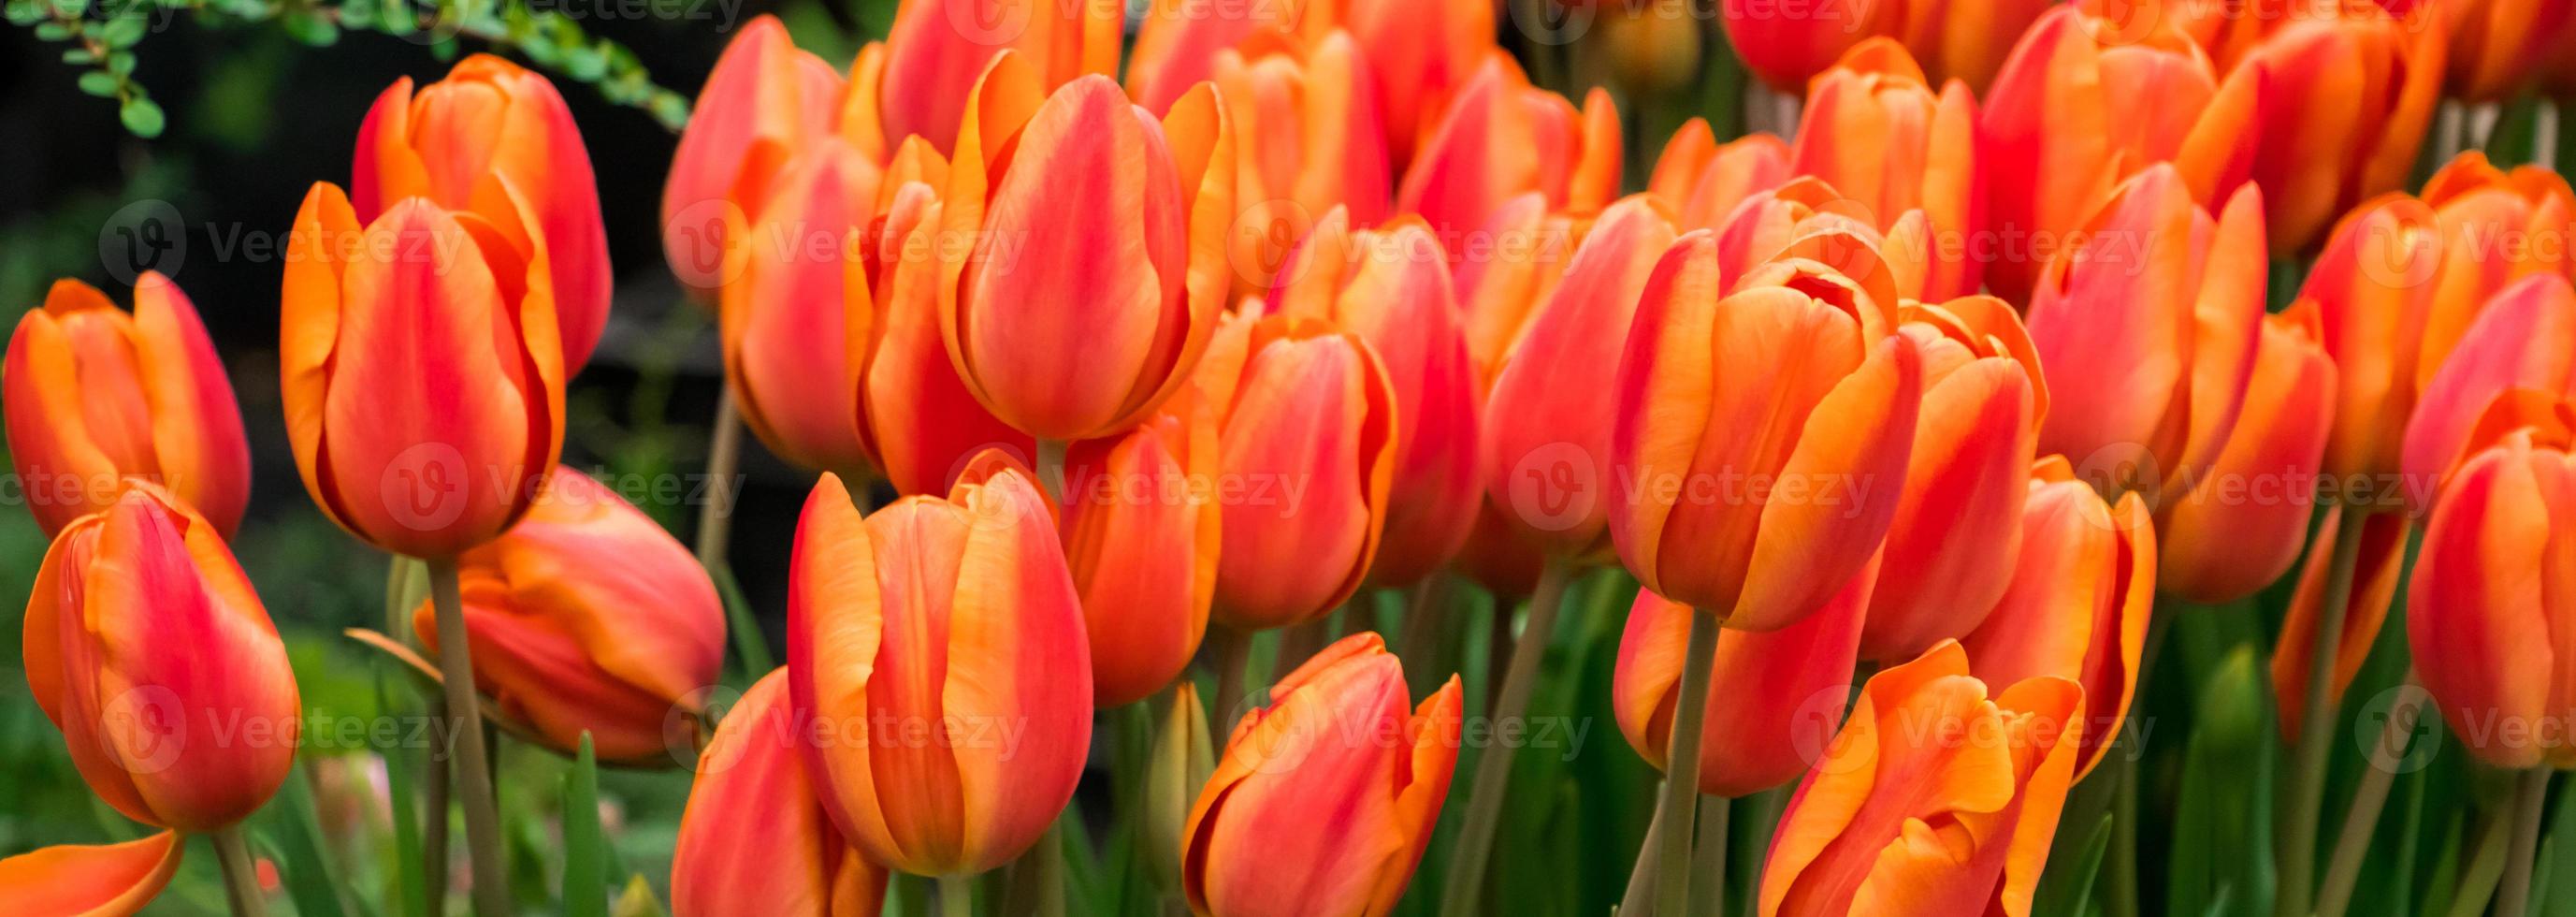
x: 102, y: 880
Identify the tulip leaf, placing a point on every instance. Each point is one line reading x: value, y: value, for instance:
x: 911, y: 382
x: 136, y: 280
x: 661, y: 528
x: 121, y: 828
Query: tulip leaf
x: 2069, y: 893
x: 749, y: 644
x: 298, y: 837
x: 2561, y: 858
x: 585, y: 876
x: 410, y: 885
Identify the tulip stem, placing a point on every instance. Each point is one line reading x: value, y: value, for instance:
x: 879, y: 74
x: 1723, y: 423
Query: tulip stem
x: 1466, y: 880
x: 724, y: 458
x: 2395, y: 733
x: 1233, y: 655
x: 1710, y: 854
x: 957, y: 896
x: 241, y: 878
x: 467, y: 755
x: 1051, y: 468
x: 2298, y: 851
x: 1641, y: 877
x: 2531, y: 793
x: 1681, y: 766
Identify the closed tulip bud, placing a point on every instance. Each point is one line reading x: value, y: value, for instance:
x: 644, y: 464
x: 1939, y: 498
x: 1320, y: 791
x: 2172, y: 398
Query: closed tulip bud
x: 1097, y: 265
x: 2372, y: 289
x: 2485, y: 599
x: 1309, y: 437
x: 91, y: 880
x: 918, y: 420
x: 1141, y: 538
x: 2341, y: 102
x: 2240, y: 525
x: 1424, y: 52
x: 95, y: 396
x: 1787, y: 45
x: 2496, y: 46
x: 1958, y: 523
x: 1179, y: 764
x: 2063, y: 124
x: 1181, y: 43
x: 1700, y: 182
x: 2524, y: 338
x: 796, y: 337
x: 2148, y: 333
x: 764, y: 102
x: 1875, y: 129
x: 1391, y: 288
x: 588, y: 617
x: 1769, y: 693
x: 423, y: 385
x: 146, y: 646
x: 949, y: 631
x: 1507, y: 268
x: 1967, y: 41
x: 1546, y: 453
x: 755, y: 840
x: 1764, y: 433
x: 1502, y: 137
x: 1324, y: 800
x: 2381, y: 561
x: 1321, y: 148
x: 496, y: 139
x: 2083, y: 587
x: 938, y: 50
x: 2497, y: 227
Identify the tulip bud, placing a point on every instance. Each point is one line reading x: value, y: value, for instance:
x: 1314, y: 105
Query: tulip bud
x: 2524, y: 338
x: 754, y: 839
x: 938, y: 50
x: 588, y: 617
x: 2382, y: 559
x: 796, y: 337
x: 917, y: 419
x: 1787, y: 45
x: 1324, y: 801
x: 1424, y: 51
x: 1546, y: 453
x: 2077, y: 608
x: 2239, y: 526
x: 1958, y: 522
x: 1179, y: 764
x: 2486, y: 598
x: 1927, y: 746
x: 1700, y: 181
x: 1308, y: 437
x: 1768, y: 692
x: 764, y: 102
x: 1502, y: 137
x: 94, y: 880
x: 1321, y: 149
x: 95, y: 396
x: 2372, y: 286
x: 1765, y: 434
x: 1875, y: 129
x: 946, y: 631
x: 146, y: 646
x: 496, y: 139
x: 2341, y: 100
x: 1141, y: 536
x: 2496, y: 228
x: 1096, y: 268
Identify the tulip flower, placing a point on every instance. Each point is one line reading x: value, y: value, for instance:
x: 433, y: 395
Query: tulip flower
x: 1958, y: 522
x: 1700, y: 181
x: 2240, y: 525
x: 1967, y: 42
x: 755, y: 839
x: 2496, y: 46
x: 588, y: 617
x: 2497, y: 227
x: 1096, y: 268
x: 1181, y: 43
x: 1320, y: 148
x: 2379, y: 563
x: 796, y: 339
x: 938, y: 50
x: 2148, y: 333
x: 917, y: 420
x: 1772, y: 700
x: 2088, y: 99
x: 764, y: 102
x: 1323, y: 801
x: 2341, y: 101
x: 2083, y: 587
x: 1927, y: 745
x: 1424, y: 52
x: 496, y: 139
x: 1652, y: 46
x: 1875, y: 129
x: 1141, y: 536
x: 1546, y: 452
x: 2372, y: 287
x: 2484, y: 601
x: 146, y: 646
x: 423, y: 385
x: 95, y: 396
x: 1308, y: 435
x: 942, y: 640
x: 91, y: 880
x: 2524, y: 338
x: 1768, y: 222
x: 1391, y: 288
x: 1765, y: 432
x: 1787, y: 45
x: 1506, y: 268
x: 1502, y: 137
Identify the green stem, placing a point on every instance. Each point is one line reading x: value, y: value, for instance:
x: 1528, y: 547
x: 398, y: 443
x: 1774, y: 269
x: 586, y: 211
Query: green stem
x: 2531, y: 793
x: 435, y: 782
x: 957, y: 896
x: 1050, y: 468
x: 1636, y: 902
x: 2486, y: 865
x: 1710, y: 858
x: 465, y: 718
x: 1681, y: 765
x: 1233, y: 655
x: 2298, y: 851
x: 724, y: 459
x: 1466, y: 879
x: 1426, y: 630
x: 241, y: 878
x: 2395, y: 733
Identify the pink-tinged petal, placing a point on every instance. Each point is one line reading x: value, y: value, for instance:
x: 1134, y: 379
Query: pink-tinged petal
x: 196, y: 425
x: 1308, y: 441
x: 1958, y: 520
x: 754, y: 840
x: 2480, y: 610
x: 938, y: 48
x: 788, y: 328
x: 763, y: 101
x: 2241, y: 524
x: 1143, y: 550
x: 2521, y: 339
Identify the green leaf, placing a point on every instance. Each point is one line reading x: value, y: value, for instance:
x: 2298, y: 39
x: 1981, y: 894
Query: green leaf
x: 122, y: 31
x: 298, y: 834
x: 2223, y: 820
x: 310, y: 29
x: 53, y: 31
x: 120, y: 63
x: 99, y: 83
x: 79, y: 56
x: 410, y: 885
x: 585, y: 876
x: 2562, y: 856
x: 141, y: 116
x: 2070, y: 895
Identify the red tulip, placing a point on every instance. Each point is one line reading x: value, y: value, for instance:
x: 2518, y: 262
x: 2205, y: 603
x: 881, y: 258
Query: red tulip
x: 918, y: 421
x: 1424, y: 52
x: 1318, y: 148
x: 2524, y: 338
x: 1788, y: 44
x: 2373, y: 291
x: 2341, y: 101
x: 755, y: 840
x: 1501, y: 137
x: 2496, y: 227
x: 796, y: 337
x: 937, y: 52
x: 1141, y: 536
x: 1181, y: 43
x: 1875, y: 129
x: 2486, y: 603
x: 2240, y: 525
x: 1507, y: 268
x: 764, y: 102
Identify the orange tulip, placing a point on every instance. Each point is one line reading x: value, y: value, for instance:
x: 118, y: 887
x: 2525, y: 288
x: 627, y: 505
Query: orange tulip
x: 1546, y: 453
x: 1391, y: 288
x: 2372, y: 287
x: 423, y: 385
x: 939, y: 643
x: 588, y: 617
x: 1307, y: 444
x: 1424, y: 52
x: 91, y: 880
x: 2497, y: 227
x: 1181, y: 43
x: 2148, y: 331
x: 2374, y: 584
x: 2086, y: 100
x: 796, y: 336
x: 2485, y: 601
x: 1875, y: 129
x: 1788, y: 44
x: 1774, y: 696
x: 1506, y: 268
x: 2524, y: 338
x: 938, y: 50
x: 1958, y: 521
x: 494, y: 138
x: 1091, y: 265
x: 146, y: 646
x: 2341, y: 101
x: 2496, y: 46
x: 1141, y: 536
x: 1324, y: 800
x: 1769, y: 221
x: 1701, y: 181
x: 1502, y: 137
x: 764, y: 102
x: 2083, y: 588
x: 1967, y: 41
x: 94, y: 396
x: 755, y: 841
x: 2240, y: 524
x: 1927, y: 746
x: 1761, y: 436
x: 1318, y: 147
x: 918, y: 421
